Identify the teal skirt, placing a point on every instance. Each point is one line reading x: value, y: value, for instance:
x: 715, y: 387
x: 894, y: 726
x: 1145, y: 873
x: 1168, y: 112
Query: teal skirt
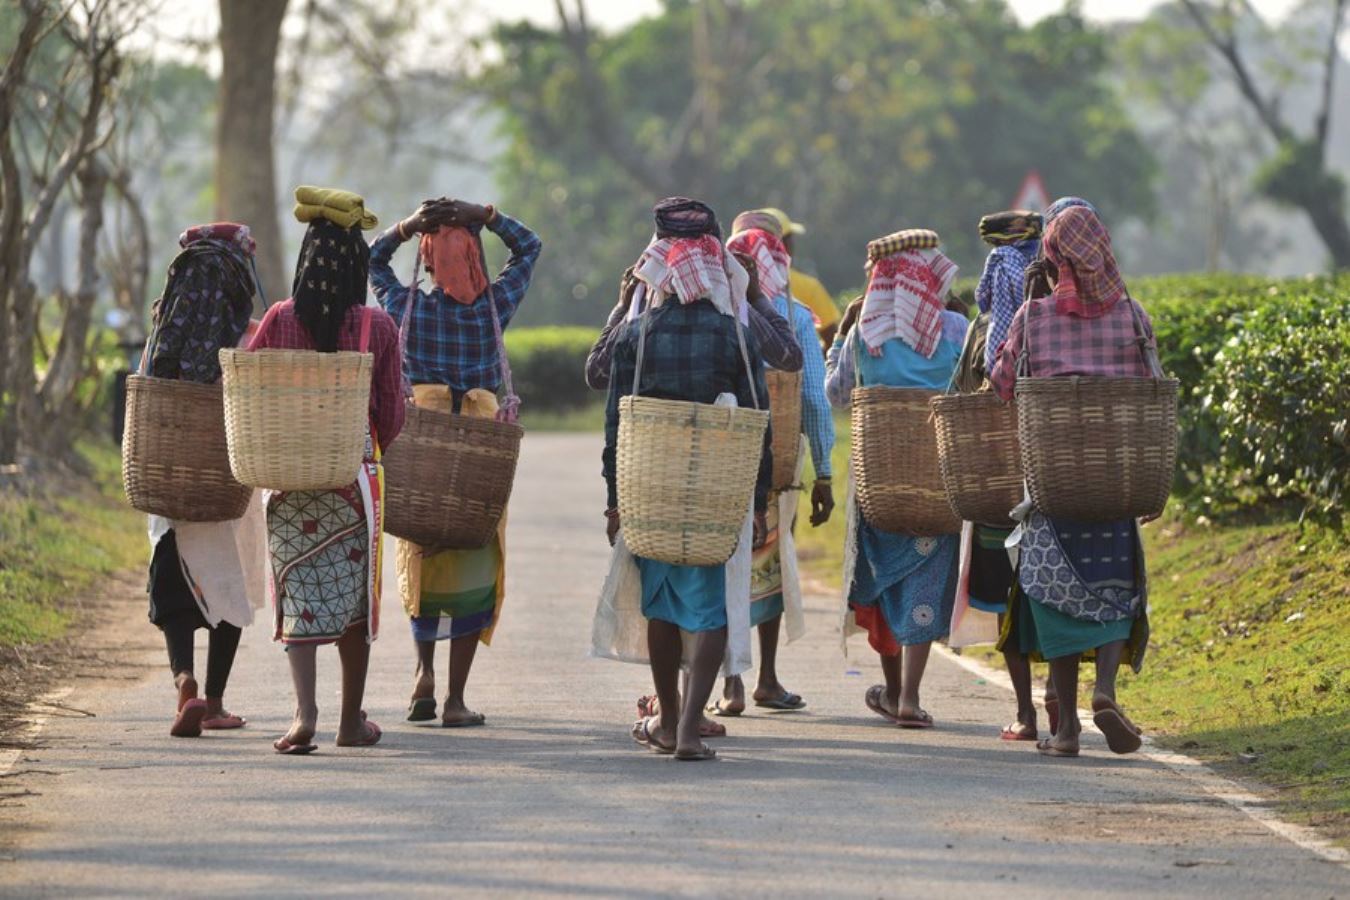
x: 692, y: 597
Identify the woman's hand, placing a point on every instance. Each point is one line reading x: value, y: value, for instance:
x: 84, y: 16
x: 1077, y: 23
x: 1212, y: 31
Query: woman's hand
x: 822, y: 502
x: 752, y: 291
x: 627, y: 288
x: 851, y: 316
x: 611, y: 525
x: 422, y: 221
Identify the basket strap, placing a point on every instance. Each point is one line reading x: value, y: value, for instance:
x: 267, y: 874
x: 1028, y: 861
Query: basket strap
x: 740, y: 331
x: 1146, y: 348
x: 403, y: 324
x: 367, y: 313
x: 510, y: 408
x: 257, y: 282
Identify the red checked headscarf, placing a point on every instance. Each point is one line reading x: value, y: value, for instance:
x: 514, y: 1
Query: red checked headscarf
x: 1079, y: 245
x: 905, y: 299
x: 453, y: 257
x: 770, y: 256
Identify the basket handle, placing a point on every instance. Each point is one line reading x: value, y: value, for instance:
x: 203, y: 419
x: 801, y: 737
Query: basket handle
x: 1147, y: 349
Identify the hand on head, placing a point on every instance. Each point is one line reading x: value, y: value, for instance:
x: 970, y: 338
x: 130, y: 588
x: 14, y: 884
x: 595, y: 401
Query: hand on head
x: 850, y: 316
x: 432, y: 214
x: 747, y: 261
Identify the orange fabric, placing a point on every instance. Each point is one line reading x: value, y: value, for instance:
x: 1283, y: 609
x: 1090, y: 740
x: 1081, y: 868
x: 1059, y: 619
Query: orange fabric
x: 453, y: 257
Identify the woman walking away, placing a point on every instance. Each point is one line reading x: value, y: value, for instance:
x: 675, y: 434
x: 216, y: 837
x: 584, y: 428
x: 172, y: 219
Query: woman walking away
x: 204, y: 574
x: 1015, y: 236
x: 1088, y: 325
x: 454, y: 364
x: 774, y: 590
x: 325, y: 545
x: 899, y: 589
x: 692, y: 351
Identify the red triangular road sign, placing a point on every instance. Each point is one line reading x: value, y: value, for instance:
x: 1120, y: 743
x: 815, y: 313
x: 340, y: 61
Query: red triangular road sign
x: 1032, y: 194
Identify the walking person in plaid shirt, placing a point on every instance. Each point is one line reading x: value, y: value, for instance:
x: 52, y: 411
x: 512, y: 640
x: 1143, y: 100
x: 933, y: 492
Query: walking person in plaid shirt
x: 691, y: 351
x: 1087, y: 325
x: 452, y: 360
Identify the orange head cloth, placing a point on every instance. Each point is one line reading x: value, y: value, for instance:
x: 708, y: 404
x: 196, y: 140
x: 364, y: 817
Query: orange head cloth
x: 453, y: 257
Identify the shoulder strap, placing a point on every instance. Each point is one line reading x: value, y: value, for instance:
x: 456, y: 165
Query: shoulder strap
x: 367, y: 313
x: 1146, y: 349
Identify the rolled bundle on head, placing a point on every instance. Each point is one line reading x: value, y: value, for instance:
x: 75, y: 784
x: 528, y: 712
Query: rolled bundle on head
x: 906, y: 291
x: 686, y: 260
x: 906, y: 239
x: 758, y: 234
x: 1010, y: 227
x: 1079, y: 246
x: 337, y: 206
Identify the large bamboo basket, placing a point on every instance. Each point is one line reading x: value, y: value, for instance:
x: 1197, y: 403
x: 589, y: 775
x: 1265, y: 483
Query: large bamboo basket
x: 785, y: 409
x: 448, y: 478
x: 296, y: 420
x: 895, y: 462
x: 1098, y: 449
x: 686, y: 477
x: 175, y: 462
x: 979, y: 456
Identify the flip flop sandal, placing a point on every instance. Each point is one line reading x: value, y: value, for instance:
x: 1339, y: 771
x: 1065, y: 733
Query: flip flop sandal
x: 1046, y: 749
x: 717, y: 709
x: 642, y: 733
x: 1012, y: 733
x: 188, y: 722
x: 712, y: 730
x: 371, y: 738
x: 873, y: 700
x: 422, y: 709
x: 471, y: 722
x: 787, y: 702
x: 924, y: 721
x: 1120, y: 737
x: 224, y: 723
x: 286, y: 748
x: 646, y: 706
x: 704, y: 752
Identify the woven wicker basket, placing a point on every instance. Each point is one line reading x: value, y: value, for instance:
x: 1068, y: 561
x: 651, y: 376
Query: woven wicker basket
x: 785, y: 409
x: 296, y: 420
x: 1098, y: 449
x: 686, y: 477
x: 447, y: 479
x: 175, y: 462
x: 979, y: 456
x: 895, y: 462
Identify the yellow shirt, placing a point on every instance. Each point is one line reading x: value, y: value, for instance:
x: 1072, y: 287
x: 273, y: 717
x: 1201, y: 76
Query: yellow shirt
x: 812, y: 293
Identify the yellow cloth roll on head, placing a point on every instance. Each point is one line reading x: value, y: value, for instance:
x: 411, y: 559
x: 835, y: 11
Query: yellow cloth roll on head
x: 340, y: 207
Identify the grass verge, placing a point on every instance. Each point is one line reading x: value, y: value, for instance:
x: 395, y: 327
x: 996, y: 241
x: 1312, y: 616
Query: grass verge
x: 1249, y: 664
x: 587, y: 418
x: 57, y: 542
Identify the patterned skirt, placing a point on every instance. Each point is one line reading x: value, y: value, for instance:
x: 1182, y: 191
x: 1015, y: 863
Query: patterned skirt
x: 324, y: 548
x: 766, y: 570
x: 902, y: 589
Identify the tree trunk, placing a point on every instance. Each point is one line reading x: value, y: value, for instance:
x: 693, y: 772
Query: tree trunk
x: 246, y: 189
x: 1328, y: 217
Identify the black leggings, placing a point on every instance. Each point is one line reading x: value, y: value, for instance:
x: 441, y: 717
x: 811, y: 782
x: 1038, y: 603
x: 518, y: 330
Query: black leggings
x: 178, y: 634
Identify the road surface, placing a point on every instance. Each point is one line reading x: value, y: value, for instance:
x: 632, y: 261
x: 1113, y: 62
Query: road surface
x: 554, y: 797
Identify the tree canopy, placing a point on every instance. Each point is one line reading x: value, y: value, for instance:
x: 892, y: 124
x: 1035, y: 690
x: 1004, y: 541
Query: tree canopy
x: 858, y: 118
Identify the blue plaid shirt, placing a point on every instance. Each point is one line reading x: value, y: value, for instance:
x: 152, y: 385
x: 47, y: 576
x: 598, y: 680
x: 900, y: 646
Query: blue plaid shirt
x: 817, y: 419
x: 448, y: 342
x: 692, y: 353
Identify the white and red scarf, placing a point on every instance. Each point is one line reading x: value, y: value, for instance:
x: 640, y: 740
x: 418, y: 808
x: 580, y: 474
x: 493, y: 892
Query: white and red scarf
x: 905, y: 300
x: 770, y: 256
x: 692, y: 269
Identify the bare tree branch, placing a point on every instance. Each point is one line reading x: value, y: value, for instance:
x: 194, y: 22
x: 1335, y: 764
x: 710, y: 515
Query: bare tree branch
x: 1225, y: 43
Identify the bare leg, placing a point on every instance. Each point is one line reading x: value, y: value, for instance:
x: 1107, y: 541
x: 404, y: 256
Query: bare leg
x: 462, y: 650
x: 1108, y: 663
x: 302, y: 657
x: 733, y: 696
x: 916, y: 661
x: 890, y: 667
x: 1019, y: 670
x: 424, y: 683
x: 1064, y: 673
x: 768, y: 687
x: 355, y: 653
x: 664, y: 646
x: 709, y: 648
x: 1122, y: 735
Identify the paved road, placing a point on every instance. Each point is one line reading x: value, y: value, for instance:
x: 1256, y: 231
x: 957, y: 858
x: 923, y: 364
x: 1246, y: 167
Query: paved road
x: 554, y: 797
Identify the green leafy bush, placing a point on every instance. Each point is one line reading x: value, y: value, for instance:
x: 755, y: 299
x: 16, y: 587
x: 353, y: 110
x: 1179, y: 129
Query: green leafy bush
x: 549, y: 365
x: 1279, y: 392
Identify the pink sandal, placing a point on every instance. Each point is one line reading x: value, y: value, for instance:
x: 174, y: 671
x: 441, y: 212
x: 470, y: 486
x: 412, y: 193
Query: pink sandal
x: 188, y: 722
x: 223, y: 722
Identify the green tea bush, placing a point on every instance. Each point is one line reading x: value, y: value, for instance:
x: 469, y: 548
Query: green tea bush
x: 549, y: 366
x: 1279, y: 392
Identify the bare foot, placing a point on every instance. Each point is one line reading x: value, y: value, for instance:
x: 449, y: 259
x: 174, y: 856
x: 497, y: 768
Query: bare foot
x: 732, y: 702
x: 651, y: 706
x: 187, y: 688
x: 457, y: 715
x: 365, y: 734
x: 882, y: 703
